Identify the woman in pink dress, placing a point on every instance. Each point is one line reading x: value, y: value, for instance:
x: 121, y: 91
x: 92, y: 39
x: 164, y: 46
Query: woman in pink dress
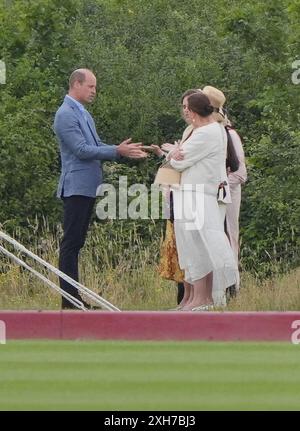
x: 236, y: 178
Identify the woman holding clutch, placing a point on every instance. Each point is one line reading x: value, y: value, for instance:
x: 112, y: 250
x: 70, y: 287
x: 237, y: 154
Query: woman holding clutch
x: 203, y: 249
x: 169, y: 267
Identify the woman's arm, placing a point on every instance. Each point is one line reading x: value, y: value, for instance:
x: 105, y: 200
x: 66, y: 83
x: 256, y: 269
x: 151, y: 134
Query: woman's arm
x: 195, y: 148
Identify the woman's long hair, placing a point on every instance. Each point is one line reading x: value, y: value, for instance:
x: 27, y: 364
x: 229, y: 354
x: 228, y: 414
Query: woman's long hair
x: 232, y: 161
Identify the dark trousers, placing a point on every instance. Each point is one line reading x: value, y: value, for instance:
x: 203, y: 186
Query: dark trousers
x: 77, y: 215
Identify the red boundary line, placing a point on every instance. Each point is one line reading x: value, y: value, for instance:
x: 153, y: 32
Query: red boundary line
x: 142, y: 325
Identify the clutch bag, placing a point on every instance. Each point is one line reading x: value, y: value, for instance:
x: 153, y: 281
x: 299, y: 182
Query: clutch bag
x: 168, y: 176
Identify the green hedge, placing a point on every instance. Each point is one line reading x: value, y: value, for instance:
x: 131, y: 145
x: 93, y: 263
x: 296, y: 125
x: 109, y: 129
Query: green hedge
x: 145, y: 54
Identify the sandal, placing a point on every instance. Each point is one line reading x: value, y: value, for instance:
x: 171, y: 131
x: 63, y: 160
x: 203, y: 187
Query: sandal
x: 178, y: 308
x: 204, y: 307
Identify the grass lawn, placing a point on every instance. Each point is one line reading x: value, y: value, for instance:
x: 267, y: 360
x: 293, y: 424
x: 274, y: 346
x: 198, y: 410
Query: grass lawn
x: 80, y: 375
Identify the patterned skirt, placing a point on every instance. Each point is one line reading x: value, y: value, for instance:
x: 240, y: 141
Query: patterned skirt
x: 168, y: 265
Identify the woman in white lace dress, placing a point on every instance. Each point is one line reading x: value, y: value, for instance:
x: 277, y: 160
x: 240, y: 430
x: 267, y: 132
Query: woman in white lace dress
x: 203, y: 248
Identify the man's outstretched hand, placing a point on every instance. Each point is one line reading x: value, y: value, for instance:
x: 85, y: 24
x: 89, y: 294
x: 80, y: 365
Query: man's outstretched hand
x: 131, y: 150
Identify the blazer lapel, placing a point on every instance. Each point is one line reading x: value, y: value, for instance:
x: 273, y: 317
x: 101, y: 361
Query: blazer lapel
x: 85, y: 122
x: 90, y: 126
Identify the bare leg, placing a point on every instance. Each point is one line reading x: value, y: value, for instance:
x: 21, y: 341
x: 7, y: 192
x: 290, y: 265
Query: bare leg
x: 209, y: 283
x: 188, y: 294
x: 202, y: 293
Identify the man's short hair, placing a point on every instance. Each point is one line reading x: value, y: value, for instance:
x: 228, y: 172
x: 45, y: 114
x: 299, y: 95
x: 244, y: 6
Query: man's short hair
x: 77, y: 75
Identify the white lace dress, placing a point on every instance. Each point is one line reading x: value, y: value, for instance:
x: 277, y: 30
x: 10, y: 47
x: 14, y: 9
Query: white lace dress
x: 199, y: 226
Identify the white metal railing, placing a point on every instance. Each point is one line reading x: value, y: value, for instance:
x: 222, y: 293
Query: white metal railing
x: 76, y: 302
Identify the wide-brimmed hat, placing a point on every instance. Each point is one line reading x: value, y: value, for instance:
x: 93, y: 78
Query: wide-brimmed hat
x: 217, y: 100
x: 216, y: 96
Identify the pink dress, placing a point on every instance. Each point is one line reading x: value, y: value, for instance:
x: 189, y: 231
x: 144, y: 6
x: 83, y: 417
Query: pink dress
x: 236, y: 179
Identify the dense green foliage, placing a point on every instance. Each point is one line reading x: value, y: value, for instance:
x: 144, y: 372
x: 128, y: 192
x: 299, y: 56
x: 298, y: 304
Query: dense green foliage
x: 145, y: 54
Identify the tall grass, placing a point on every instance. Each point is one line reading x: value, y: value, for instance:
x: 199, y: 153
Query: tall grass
x: 122, y: 268
x: 281, y: 293
x: 118, y: 266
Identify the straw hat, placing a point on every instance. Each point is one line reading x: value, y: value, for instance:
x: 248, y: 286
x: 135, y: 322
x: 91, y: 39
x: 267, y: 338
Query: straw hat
x: 217, y: 100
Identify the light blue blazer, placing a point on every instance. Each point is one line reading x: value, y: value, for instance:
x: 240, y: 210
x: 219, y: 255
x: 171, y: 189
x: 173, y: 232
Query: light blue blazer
x: 81, y: 151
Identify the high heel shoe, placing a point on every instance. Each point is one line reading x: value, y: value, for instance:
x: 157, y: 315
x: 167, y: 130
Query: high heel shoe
x: 178, y: 308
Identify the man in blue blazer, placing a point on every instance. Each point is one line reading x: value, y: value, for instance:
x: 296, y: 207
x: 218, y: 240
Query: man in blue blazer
x: 82, y: 153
